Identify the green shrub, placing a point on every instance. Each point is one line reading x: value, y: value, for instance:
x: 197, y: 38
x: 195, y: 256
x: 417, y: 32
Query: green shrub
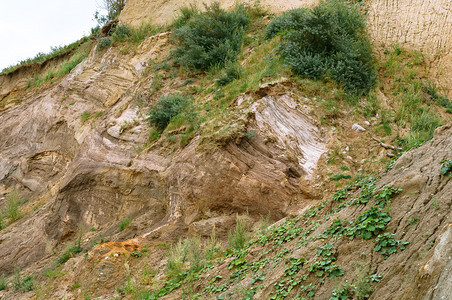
x: 422, y: 128
x: 12, y: 206
x: 70, y: 252
x: 431, y: 89
x: 26, y: 284
x: 103, y: 43
x: 232, y: 71
x: 121, y: 33
x: 210, y: 38
x: 238, y: 237
x: 446, y: 167
x: 176, y: 259
x: 3, y: 283
x: 387, y: 244
x: 124, y: 223
x: 344, y: 293
x: 165, y: 109
x: 340, y: 176
x: 85, y: 116
x: 371, y: 223
x: 329, y: 40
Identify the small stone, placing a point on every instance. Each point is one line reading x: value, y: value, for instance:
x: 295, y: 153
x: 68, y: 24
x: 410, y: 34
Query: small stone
x: 357, y: 127
x: 367, y: 123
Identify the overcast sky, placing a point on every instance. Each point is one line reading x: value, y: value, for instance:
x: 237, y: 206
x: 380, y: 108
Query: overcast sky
x: 31, y: 26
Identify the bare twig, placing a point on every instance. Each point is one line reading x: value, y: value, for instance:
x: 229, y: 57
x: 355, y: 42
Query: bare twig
x: 386, y: 146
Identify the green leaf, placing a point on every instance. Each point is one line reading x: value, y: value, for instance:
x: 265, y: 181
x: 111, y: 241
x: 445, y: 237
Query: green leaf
x: 366, y: 235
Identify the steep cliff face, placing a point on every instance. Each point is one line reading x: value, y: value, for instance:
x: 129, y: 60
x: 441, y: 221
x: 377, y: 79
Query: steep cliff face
x: 74, y: 147
x: 89, y: 174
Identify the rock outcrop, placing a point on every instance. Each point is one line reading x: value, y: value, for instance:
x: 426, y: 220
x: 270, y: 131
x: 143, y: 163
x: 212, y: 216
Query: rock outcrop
x: 74, y: 144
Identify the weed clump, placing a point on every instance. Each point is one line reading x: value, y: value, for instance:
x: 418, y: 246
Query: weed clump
x: 134, y: 35
x: 238, y: 237
x: 12, y: 206
x: 3, y: 283
x: 124, y: 224
x: 231, y: 72
x: 166, y: 108
x: 70, y: 252
x: 329, y: 40
x: 103, y: 43
x: 26, y: 284
x: 210, y: 38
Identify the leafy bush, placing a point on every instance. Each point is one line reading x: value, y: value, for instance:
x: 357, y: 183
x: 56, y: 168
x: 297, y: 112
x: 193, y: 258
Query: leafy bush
x: 387, y: 244
x: 446, y: 167
x: 121, y: 32
x: 103, y: 43
x: 326, y: 266
x: 210, y: 38
x: 371, y: 223
x: 329, y: 40
x: 165, y: 109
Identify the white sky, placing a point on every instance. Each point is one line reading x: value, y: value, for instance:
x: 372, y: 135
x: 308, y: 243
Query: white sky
x: 31, y: 26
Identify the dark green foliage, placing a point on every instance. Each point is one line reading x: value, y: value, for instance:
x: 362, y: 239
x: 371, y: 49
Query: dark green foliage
x: 326, y: 250
x: 70, y: 252
x: 385, y: 195
x: 446, y: 168
x: 210, y: 38
x: 26, y: 284
x: 103, y: 43
x: 340, y: 176
x: 387, y: 244
x: 3, y: 283
x: 326, y: 266
x: 329, y: 40
x: 344, y: 293
x: 231, y: 71
x: 121, y: 33
x: 371, y: 222
x: 442, y: 100
x: 136, y: 254
x: 166, y: 108
x: 124, y: 223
